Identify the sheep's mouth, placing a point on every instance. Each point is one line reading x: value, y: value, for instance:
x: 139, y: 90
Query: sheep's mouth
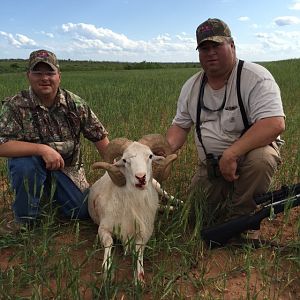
x: 140, y: 186
x: 141, y: 182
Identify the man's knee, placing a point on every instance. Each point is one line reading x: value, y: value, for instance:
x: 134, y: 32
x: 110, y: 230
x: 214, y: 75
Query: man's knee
x: 29, y: 170
x: 261, y: 160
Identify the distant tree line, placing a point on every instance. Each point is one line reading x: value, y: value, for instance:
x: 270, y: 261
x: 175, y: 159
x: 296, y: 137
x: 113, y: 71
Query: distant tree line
x: 20, y: 65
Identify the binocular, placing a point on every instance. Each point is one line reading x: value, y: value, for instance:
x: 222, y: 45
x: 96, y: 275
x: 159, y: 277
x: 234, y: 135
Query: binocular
x: 212, y: 166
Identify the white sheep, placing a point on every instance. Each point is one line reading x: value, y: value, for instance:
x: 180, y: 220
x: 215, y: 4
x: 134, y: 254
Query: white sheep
x: 124, y: 200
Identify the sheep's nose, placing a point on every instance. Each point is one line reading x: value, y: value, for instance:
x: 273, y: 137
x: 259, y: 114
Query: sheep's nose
x: 141, y: 178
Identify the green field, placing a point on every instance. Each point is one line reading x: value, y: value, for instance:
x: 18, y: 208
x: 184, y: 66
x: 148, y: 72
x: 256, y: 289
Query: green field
x: 63, y: 261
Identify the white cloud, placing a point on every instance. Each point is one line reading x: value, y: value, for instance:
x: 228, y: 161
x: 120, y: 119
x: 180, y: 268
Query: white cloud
x: 254, y: 26
x: 19, y: 40
x: 24, y: 40
x: 248, y: 51
x: 271, y: 45
x: 280, y: 42
x: 10, y: 38
x: 295, y: 5
x: 243, y: 19
x: 101, y: 36
x: 164, y: 38
x: 48, y: 34
x: 88, y: 42
x: 286, y: 20
x: 103, y: 40
x: 187, y: 39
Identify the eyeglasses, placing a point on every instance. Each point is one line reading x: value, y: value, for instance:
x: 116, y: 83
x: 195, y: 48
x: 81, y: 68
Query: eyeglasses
x: 201, y: 97
x: 43, y: 73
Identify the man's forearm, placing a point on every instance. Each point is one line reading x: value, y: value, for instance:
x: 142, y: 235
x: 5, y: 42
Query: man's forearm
x: 19, y: 148
x: 101, y: 146
x: 176, y: 137
x: 260, y: 134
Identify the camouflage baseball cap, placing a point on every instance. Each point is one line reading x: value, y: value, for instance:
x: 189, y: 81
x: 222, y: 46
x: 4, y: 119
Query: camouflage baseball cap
x: 44, y: 56
x: 212, y: 30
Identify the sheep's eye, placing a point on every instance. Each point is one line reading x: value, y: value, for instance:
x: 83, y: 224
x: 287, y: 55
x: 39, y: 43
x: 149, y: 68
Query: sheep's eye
x: 150, y: 156
x: 124, y: 160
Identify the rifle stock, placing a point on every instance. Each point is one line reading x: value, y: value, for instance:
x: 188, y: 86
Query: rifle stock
x: 219, y: 235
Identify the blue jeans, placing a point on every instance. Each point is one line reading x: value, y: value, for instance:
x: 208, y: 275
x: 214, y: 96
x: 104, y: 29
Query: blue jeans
x: 31, y: 182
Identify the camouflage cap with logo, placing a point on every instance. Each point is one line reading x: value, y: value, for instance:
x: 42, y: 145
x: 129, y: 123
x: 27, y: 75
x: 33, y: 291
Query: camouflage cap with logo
x: 44, y: 56
x: 212, y: 30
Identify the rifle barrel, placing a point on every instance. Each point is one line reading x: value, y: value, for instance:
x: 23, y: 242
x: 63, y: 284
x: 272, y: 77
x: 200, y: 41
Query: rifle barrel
x: 220, y: 234
x: 280, y: 194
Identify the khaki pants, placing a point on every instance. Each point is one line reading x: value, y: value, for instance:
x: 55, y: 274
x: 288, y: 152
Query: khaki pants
x: 255, y: 170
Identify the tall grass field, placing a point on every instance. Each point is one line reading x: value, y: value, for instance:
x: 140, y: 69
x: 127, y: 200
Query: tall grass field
x: 62, y: 260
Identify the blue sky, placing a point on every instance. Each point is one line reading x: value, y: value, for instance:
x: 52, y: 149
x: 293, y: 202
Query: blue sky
x: 138, y: 30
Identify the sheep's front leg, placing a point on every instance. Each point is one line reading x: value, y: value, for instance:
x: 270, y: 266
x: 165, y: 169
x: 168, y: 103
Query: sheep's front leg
x: 140, y: 275
x: 107, y: 242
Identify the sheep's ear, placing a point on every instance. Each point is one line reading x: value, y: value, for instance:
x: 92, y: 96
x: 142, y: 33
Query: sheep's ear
x: 158, y: 158
x: 119, y: 163
x: 165, y: 161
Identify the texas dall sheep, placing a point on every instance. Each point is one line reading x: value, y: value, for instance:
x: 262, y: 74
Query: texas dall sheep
x: 124, y: 200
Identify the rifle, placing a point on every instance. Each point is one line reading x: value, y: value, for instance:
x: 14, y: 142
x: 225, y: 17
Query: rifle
x: 271, y: 203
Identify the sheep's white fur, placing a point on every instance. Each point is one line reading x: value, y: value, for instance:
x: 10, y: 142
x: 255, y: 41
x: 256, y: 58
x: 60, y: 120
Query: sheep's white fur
x: 128, y: 211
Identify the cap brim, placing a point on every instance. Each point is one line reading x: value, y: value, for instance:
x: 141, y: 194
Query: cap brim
x: 54, y: 68
x: 217, y: 39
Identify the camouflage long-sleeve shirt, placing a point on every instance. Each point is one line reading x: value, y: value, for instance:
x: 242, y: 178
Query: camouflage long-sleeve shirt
x: 24, y: 118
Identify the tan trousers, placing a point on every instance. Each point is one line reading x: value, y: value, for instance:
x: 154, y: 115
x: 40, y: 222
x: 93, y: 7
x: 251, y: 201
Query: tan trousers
x: 255, y: 170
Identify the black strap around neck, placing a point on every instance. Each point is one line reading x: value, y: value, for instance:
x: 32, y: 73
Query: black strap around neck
x: 240, y: 102
x: 201, y: 93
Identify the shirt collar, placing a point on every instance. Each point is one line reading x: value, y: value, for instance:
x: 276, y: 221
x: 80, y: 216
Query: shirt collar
x: 60, y: 98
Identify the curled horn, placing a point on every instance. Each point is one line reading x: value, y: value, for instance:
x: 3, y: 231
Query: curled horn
x: 159, y: 146
x: 114, y: 173
x: 114, y: 150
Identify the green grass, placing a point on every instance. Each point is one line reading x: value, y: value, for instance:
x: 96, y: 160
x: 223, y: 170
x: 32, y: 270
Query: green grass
x: 63, y: 260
